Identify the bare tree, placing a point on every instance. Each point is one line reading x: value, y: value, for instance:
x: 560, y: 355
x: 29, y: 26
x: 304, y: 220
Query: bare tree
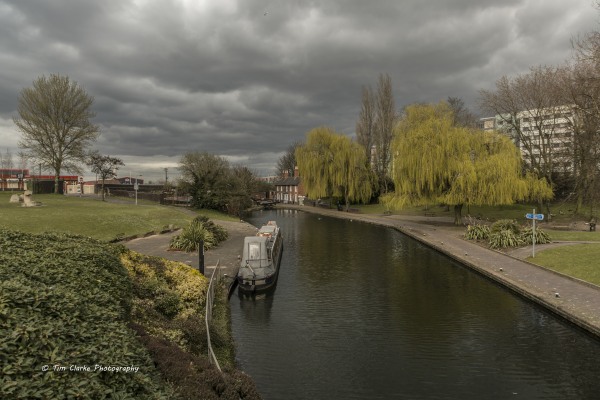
x: 385, y: 117
x: 287, y: 162
x: 581, y: 84
x: 105, y: 166
x: 529, y: 107
x: 54, y: 120
x: 6, y: 161
x: 462, y: 117
x: 365, y: 126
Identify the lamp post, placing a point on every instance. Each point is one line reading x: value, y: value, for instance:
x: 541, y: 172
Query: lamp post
x: 135, y: 188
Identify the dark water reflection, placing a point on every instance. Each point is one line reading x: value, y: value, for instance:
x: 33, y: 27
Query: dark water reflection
x: 363, y: 312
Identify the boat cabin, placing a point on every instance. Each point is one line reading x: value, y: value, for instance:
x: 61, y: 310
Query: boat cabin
x: 256, y: 253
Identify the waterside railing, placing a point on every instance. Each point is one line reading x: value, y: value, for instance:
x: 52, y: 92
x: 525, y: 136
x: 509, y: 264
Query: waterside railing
x: 210, y: 297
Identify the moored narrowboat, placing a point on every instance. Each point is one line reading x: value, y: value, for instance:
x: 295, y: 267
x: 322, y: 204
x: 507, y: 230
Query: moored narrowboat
x: 261, y: 257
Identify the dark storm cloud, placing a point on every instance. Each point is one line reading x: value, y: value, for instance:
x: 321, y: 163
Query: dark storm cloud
x: 245, y: 79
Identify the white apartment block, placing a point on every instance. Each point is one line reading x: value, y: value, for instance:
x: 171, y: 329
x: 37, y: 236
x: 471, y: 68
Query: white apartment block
x: 544, y: 133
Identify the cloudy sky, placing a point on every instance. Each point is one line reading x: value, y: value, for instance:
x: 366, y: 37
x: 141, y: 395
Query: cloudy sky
x: 246, y: 78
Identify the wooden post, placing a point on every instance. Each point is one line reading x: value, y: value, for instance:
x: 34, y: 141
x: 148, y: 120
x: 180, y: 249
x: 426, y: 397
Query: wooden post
x: 201, y: 256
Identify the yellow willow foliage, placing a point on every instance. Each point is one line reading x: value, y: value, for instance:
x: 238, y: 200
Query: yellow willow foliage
x: 350, y: 176
x: 436, y: 162
x: 330, y: 164
x: 314, y: 159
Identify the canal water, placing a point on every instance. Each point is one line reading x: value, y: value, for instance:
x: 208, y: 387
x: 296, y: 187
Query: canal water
x: 364, y: 312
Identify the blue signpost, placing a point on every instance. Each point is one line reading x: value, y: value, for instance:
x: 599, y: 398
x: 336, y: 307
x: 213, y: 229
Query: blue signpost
x: 534, y: 217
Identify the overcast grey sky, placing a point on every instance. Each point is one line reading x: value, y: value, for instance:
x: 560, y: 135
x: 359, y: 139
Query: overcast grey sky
x: 246, y: 78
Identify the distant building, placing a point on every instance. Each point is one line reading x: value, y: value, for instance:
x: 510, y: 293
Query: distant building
x: 20, y: 179
x: 543, y: 131
x: 13, y: 179
x: 130, y: 180
x: 289, y: 189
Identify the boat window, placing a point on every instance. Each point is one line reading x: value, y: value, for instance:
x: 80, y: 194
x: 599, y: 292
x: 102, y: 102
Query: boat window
x: 254, y: 251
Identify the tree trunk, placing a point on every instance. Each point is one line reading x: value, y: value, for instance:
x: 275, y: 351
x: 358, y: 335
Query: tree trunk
x: 56, y: 191
x: 579, y: 203
x: 458, y: 214
x: 548, y: 212
x: 102, y: 189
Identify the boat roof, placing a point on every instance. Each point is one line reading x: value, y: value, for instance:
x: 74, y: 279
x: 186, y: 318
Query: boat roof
x: 255, y: 239
x: 268, y: 229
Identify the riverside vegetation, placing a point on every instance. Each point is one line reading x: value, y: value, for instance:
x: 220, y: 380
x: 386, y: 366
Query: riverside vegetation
x: 68, y: 302
x: 505, y: 233
x: 71, y: 301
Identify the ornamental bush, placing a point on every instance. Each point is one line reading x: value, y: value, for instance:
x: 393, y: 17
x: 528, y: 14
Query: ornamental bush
x: 506, y: 233
x: 504, y: 225
x: 477, y: 232
x: 504, y: 238
x: 541, y: 236
x: 64, y: 303
x: 200, y: 228
x: 169, y: 299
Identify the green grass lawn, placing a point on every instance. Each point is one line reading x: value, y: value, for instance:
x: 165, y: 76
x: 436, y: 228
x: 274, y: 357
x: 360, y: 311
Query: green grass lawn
x: 562, y: 212
x: 88, y: 217
x: 514, y: 211
x: 577, y: 236
x: 579, y: 261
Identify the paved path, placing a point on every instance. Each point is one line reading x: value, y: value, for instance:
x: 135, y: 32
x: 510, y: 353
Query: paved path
x: 226, y: 253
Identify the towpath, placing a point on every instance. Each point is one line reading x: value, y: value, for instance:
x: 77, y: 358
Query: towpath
x: 226, y: 253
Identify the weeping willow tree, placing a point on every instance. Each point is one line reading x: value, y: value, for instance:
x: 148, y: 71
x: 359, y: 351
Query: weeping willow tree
x: 436, y: 162
x: 331, y: 165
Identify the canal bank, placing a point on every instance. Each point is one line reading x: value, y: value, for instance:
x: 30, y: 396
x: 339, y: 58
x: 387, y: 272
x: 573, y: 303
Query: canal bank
x: 226, y: 254
x: 576, y: 301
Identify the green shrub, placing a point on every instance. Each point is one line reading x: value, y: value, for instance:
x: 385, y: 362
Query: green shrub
x: 504, y: 238
x: 477, y: 232
x: 171, y: 323
x: 171, y: 299
x: 218, y: 231
x: 541, y: 237
x: 201, y: 228
x: 167, y: 303
x: 505, y: 224
x: 65, y: 301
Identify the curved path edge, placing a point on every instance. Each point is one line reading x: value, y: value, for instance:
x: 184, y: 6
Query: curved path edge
x: 573, y: 300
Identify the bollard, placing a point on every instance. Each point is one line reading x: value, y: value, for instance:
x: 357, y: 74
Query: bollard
x: 201, y: 256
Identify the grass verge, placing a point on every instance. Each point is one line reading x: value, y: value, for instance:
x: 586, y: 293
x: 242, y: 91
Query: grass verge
x: 579, y: 261
x: 562, y: 212
x: 575, y: 236
x: 88, y: 217
x: 93, y: 218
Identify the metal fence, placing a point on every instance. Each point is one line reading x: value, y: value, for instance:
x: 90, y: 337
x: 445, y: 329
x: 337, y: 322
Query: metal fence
x: 210, y: 297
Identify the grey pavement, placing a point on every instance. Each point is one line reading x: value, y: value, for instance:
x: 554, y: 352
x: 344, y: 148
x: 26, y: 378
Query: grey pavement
x: 226, y: 254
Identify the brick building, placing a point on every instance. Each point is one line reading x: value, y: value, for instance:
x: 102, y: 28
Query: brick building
x: 289, y: 189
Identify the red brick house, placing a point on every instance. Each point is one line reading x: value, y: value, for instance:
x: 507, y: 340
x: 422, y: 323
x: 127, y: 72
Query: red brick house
x: 289, y: 189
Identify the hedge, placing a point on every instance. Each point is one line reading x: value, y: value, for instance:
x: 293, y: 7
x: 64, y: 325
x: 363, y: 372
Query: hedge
x: 65, y: 303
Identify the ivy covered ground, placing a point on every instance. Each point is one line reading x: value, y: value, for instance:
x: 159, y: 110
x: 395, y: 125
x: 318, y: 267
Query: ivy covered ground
x: 84, y: 319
